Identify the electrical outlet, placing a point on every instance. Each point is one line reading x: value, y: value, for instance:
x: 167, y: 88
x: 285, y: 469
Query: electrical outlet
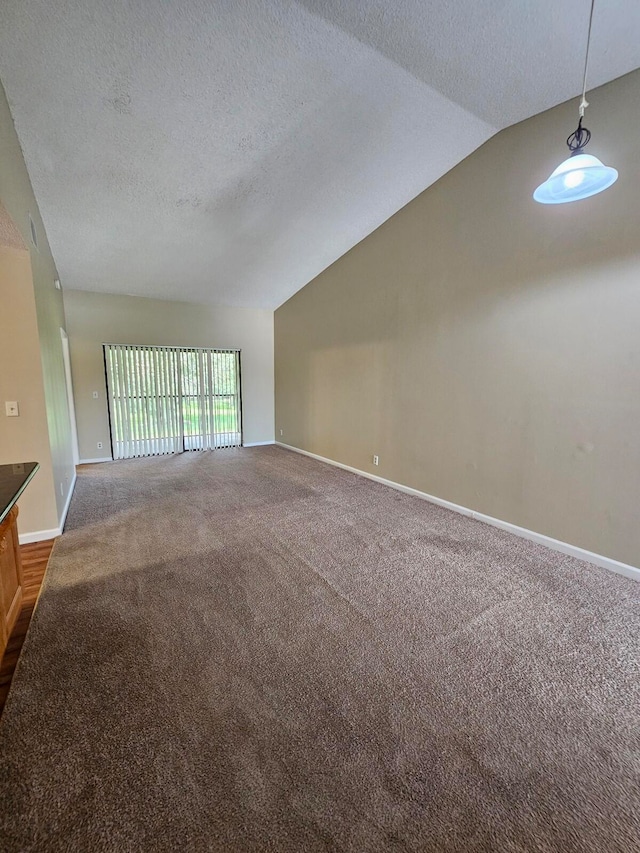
x: 11, y: 409
x: 376, y: 460
x: 281, y: 432
x: 99, y: 445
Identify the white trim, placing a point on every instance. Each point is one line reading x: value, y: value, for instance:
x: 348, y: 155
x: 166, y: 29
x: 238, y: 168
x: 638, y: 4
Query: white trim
x: 54, y: 532
x: 66, y: 357
x: 65, y: 510
x: 39, y: 536
x: 555, y: 544
x: 93, y: 461
x: 257, y: 443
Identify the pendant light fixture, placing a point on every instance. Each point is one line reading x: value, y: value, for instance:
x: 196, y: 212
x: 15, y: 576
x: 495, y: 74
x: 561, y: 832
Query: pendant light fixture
x: 580, y: 175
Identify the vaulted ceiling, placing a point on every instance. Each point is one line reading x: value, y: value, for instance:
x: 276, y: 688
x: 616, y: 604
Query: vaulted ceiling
x: 230, y: 151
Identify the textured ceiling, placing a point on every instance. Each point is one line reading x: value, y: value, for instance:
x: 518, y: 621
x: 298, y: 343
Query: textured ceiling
x: 230, y: 151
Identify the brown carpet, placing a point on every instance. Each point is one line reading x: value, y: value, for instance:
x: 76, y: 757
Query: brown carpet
x: 248, y: 650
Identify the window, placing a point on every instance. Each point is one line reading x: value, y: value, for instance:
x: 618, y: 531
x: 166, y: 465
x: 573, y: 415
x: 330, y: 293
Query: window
x: 170, y: 399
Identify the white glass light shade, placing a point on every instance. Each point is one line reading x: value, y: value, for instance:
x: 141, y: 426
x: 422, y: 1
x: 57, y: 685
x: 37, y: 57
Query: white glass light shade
x: 580, y: 176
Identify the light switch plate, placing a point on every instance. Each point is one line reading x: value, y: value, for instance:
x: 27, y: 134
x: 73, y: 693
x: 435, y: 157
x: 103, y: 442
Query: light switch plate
x: 95, y: 395
x: 11, y: 409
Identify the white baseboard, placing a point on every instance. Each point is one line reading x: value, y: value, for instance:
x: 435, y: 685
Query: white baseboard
x: 65, y: 510
x: 93, y: 461
x: 257, y: 443
x: 54, y: 532
x: 39, y: 535
x: 555, y: 544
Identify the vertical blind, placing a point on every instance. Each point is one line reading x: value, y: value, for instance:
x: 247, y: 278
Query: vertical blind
x: 170, y: 399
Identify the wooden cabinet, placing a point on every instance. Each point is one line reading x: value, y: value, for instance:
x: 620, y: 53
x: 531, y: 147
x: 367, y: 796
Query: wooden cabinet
x: 13, y: 481
x: 10, y: 576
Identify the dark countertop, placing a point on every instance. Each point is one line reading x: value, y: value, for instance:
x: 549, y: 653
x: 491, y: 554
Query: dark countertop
x: 13, y: 482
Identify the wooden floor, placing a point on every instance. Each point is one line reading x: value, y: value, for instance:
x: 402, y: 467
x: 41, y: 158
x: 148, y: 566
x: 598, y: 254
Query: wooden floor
x: 34, y: 563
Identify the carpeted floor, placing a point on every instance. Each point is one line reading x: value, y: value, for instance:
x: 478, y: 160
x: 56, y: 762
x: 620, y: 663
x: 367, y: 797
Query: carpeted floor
x: 248, y: 650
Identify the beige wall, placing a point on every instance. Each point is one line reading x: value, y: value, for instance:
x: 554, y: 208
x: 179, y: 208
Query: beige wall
x: 53, y: 447
x: 487, y: 348
x: 95, y: 318
x: 25, y: 438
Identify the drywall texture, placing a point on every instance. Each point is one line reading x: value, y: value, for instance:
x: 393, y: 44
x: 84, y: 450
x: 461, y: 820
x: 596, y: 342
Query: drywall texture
x: 16, y: 197
x: 239, y: 148
x: 97, y: 318
x: 486, y: 347
x: 25, y: 438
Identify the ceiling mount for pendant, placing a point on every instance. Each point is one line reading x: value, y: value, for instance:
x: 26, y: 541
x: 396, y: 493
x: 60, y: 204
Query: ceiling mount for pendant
x: 580, y: 175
